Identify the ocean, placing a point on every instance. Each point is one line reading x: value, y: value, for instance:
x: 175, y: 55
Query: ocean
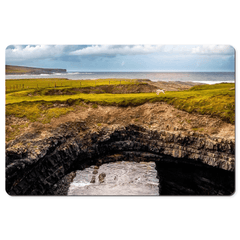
x: 201, y: 77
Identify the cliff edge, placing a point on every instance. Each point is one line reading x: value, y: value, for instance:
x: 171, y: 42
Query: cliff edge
x: 11, y: 70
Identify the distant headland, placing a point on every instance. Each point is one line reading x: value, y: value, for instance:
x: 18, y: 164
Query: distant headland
x: 10, y: 69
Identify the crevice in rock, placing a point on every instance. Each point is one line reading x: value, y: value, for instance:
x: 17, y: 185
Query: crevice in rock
x: 181, y: 178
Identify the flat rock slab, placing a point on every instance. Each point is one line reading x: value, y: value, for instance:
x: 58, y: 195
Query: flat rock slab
x: 118, y: 178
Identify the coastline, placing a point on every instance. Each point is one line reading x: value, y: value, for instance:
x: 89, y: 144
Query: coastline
x: 196, y: 77
x: 46, y: 156
x: 49, y: 153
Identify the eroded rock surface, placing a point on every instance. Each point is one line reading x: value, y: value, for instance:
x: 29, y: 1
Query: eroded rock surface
x: 37, y: 161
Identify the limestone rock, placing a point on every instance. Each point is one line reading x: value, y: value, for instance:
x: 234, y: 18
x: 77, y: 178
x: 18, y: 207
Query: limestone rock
x: 49, y: 157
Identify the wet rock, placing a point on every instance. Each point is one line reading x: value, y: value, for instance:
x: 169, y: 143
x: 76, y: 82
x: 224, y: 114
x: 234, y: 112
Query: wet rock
x: 93, y: 179
x: 62, y: 186
x: 99, y: 162
x: 101, y: 177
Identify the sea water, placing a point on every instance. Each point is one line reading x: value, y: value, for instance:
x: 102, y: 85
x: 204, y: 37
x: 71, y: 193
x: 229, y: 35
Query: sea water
x: 117, y: 178
x: 201, y: 77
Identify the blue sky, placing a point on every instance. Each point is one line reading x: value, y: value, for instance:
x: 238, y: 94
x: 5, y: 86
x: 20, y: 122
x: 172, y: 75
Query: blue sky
x: 166, y: 58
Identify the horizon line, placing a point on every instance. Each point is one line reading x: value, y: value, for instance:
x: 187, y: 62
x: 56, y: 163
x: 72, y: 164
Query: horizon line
x: 148, y: 71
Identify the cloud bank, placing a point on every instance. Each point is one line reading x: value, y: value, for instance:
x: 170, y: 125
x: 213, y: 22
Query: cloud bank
x: 124, y: 57
x: 113, y: 50
x: 20, y: 52
x: 213, y: 49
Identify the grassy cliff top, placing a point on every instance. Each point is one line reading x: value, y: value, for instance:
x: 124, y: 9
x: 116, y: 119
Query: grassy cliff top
x: 215, y: 100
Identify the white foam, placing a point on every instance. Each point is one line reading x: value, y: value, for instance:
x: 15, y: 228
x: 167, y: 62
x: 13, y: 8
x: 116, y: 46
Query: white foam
x: 86, y: 73
x: 213, y: 82
x: 80, y: 184
x: 60, y: 73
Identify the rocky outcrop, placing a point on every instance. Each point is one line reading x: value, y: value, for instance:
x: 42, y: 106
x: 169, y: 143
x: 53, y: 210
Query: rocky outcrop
x: 37, y: 161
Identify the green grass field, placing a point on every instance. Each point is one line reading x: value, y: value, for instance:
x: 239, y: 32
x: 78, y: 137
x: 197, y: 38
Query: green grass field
x: 216, y: 100
x: 15, y: 85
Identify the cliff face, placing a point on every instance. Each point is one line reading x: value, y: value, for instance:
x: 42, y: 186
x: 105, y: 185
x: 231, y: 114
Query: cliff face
x: 35, y: 162
x: 30, y: 70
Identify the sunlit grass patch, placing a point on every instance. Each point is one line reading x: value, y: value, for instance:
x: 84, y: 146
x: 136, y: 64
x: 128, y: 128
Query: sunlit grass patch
x: 13, y: 85
x: 216, y: 100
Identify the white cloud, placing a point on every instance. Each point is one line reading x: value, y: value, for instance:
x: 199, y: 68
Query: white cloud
x: 20, y: 52
x: 112, y: 50
x: 213, y: 49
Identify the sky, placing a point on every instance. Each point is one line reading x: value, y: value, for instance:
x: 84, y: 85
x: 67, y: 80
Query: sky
x: 125, y: 58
